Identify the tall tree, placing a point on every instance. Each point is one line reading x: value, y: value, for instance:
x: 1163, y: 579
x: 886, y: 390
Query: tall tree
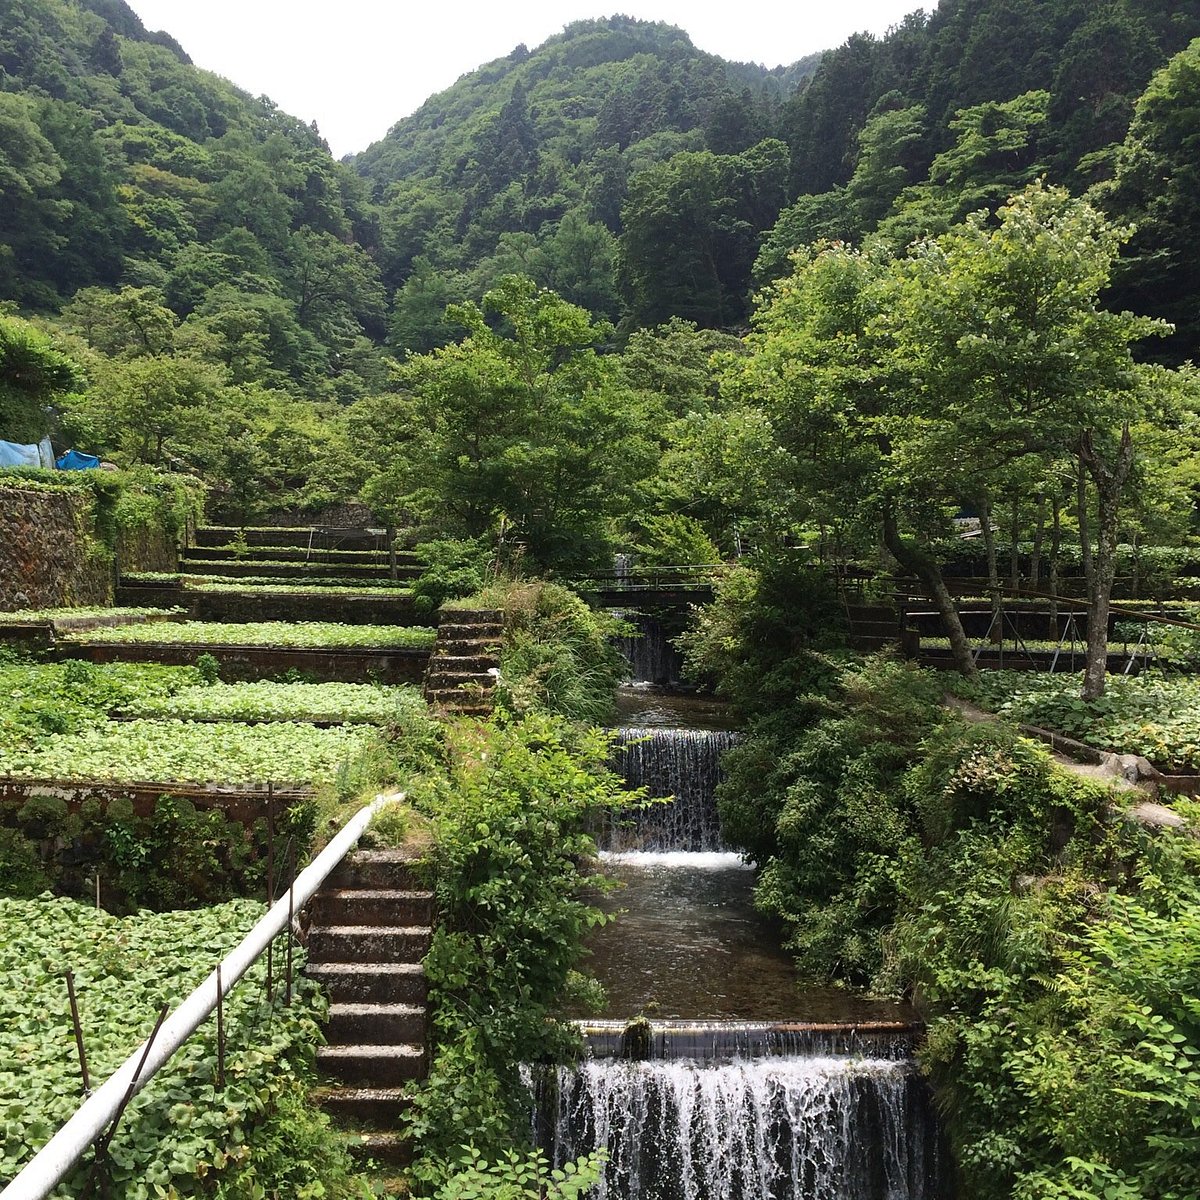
x: 33, y: 374
x: 1157, y: 187
x: 521, y: 425
x: 1003, y: 331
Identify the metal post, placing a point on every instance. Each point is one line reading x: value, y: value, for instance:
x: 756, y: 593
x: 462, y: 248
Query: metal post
x: 83, y: 1070
x: 220, y: 1032
x: 103, y: 1143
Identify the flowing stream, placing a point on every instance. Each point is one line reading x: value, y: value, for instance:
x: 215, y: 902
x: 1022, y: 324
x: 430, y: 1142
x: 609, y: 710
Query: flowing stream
x: 712, y: 1074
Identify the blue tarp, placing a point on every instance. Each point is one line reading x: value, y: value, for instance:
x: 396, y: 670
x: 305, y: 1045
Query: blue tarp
x: 76, y: 460
x: 15, y: 454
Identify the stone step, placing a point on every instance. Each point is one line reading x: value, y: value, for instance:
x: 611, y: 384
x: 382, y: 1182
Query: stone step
x: 470, y: 710
x: 378, y: 1108
x: 450, y: 633
x: 441, y: 679
x: 469, y: 646
x: 383, y: 1146
x: 372, y: 906
x: 373, y: 1066
x: 377, y: 1024
x: 474, y: 616
x: 459, y: 695
x: 377, y: 869
x: 368, y: 943
x: 370, y: 983
x: 477, y: 663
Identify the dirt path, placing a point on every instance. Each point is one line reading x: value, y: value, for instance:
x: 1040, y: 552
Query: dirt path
x: 1107, y: 769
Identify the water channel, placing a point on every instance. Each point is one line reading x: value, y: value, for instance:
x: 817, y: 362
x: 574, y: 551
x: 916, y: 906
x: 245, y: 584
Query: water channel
x: 713, y: 1074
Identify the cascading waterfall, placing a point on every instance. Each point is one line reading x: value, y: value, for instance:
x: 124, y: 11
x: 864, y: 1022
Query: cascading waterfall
x: 728, y: 1095
x: 825, y: 1126
x: 684, y: 763
x: 652, y: 658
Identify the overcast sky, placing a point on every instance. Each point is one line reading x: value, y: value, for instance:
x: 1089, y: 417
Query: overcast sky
x: 357, y: 66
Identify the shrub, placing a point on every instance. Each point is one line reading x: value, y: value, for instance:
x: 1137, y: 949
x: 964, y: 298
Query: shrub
x: 558, y: 653
x: 510, y: 848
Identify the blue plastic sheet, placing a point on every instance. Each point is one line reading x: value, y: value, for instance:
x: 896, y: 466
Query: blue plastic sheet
x: 14, y: 454
x: 76, y: 460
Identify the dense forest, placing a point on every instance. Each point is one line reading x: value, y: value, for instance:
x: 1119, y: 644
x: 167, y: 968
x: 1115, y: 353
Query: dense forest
x: 574, y: 230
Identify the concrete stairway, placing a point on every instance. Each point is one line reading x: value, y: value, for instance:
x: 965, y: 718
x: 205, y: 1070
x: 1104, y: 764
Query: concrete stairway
x: 462, y: 671
x: 370, y: 928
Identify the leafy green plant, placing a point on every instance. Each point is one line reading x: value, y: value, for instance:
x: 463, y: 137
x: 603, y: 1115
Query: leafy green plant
x: 453, y: 569
x: 27, y: 616
x: 181, y: 1130
x: 209, y: 670
x: 510, y: 854
x: 1153, y: 715
x: 177, y: 751
x: 558, y: 654
x: 513, y: 1176
x: 305, y: 634
x: 266, y: 701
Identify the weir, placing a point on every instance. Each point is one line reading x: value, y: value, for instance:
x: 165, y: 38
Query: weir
x: 713, y: 1075
x: 652, y: 657
x: 681, y: 763
x: 818, y: 1126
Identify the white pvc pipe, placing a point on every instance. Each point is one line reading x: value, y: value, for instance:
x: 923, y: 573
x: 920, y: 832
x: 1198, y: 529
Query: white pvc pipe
x: 52, y: 1162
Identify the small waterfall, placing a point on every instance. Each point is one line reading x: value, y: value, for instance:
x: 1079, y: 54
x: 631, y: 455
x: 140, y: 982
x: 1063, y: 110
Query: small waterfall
x: 823, y: 1126
x: 684, y: 763
x: 652, y: 658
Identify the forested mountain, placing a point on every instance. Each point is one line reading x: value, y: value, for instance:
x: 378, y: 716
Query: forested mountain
x: 121, y: 163
x: 640, y: 177
x: 243, y: 305
x: 525, y: 164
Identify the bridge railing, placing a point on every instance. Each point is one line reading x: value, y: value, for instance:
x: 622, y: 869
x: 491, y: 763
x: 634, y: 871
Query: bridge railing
x: 693, y: 575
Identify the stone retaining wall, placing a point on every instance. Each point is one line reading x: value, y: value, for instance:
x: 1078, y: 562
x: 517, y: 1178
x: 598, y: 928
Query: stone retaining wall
x: 49, y: 555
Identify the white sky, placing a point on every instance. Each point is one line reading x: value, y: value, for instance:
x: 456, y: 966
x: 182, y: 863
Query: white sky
x: 357, y: 66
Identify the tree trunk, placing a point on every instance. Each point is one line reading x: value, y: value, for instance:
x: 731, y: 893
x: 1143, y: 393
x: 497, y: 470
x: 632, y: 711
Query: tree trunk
x: 993, y: 566
x: 1039, y: 537
x: 1085, y: 540
x: 1014, y: 545
x: 1110, y: 483
x: 926, y: 568
x: 1055, y: 550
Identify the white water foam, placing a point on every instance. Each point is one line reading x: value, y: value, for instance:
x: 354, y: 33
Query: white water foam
x: 809, y: 1128
x: 678, y: 860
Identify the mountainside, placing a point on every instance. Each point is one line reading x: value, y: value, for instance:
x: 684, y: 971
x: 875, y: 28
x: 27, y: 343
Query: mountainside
x: 525, y: 162
x: 641, y: 178
x: 597, y: 84
x: 120, y: 162
x: 617, y: 164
